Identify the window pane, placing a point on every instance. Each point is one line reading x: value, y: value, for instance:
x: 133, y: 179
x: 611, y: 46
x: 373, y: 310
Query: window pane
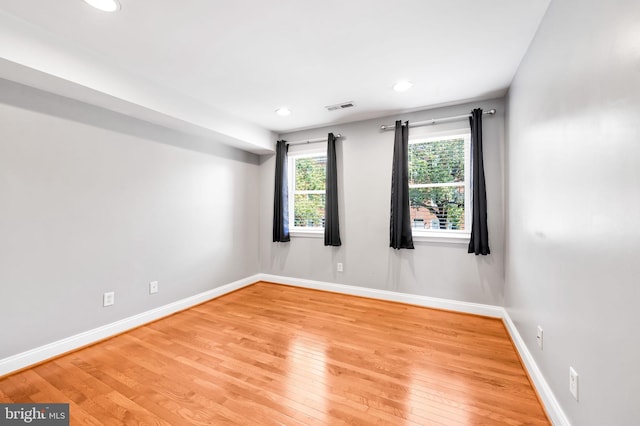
x: 310, y: 173
x: 437, y: 208
x: 436, y: 162
x: 309, y: 210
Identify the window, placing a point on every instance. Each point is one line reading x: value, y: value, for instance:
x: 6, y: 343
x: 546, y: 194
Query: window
x: 439, y: 185
x: 307, y: 175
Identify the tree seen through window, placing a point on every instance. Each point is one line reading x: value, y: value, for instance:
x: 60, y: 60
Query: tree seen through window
x: 437, y: 183
x: 309, y: 192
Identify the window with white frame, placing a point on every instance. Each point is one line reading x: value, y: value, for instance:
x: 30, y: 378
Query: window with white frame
x: 439, y: 185
x: 307, y: 176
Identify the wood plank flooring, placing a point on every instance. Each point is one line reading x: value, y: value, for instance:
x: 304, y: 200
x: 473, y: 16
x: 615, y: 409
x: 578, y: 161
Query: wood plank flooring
x: 273, y: 354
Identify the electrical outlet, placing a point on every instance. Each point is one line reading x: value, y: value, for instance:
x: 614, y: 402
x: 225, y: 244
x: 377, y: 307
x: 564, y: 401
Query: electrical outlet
x: 573, y: 382
x: 153, y: 287
x: 539, y: 337
x: 340, y: 267
x: 109, y: 298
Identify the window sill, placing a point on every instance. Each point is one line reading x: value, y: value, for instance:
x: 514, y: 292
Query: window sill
x: 418, y: 237
x: 307, y: 233
x: 441, y: 237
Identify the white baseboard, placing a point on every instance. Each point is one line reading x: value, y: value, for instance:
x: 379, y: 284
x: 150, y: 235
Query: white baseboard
x: 430, y: 302
x: 551, y: 404
x: 53, y: 349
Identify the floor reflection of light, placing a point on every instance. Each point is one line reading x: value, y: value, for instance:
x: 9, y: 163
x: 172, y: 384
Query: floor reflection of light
x: 307, y: 375
x: 428, y: 401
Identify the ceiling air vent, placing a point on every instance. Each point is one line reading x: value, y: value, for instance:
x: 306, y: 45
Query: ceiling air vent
x: 342, y: 105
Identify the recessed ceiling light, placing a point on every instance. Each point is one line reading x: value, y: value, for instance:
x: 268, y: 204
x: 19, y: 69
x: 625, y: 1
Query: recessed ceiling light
x: 104, y: 5
x: 401, y: 86
x: 283, y: 111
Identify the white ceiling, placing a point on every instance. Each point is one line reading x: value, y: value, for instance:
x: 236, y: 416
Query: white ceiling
x: 221, y: 69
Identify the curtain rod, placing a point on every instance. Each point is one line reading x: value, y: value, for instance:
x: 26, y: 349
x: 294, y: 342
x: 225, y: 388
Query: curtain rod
x: 338, y: 135
x: 435, y: 120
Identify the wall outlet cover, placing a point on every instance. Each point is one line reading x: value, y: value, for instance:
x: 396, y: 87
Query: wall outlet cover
x: 539, y: 335
x: 108, y: 298
x: 153, y: 287
x: 573, y: 382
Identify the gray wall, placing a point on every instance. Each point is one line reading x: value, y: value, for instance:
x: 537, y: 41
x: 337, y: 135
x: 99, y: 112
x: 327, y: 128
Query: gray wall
x: 93, y: 201
x: 573, y: 202
x: 364, y: 175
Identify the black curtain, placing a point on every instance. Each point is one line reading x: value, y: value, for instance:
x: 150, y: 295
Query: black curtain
x: 281, y: 196
x: 331, y: 224
x: 479, y: 243
x: 401, y: 236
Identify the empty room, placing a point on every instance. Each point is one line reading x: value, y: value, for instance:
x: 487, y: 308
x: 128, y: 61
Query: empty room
x: 409, y: 212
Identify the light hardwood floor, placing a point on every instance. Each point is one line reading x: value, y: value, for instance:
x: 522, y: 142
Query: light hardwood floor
x: 273, y: 354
